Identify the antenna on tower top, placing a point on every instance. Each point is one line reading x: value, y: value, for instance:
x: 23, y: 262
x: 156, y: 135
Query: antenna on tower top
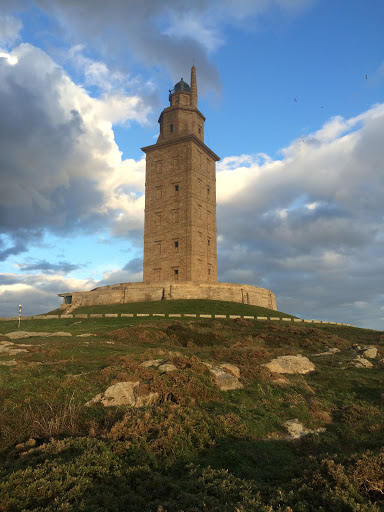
x: 193, y: 87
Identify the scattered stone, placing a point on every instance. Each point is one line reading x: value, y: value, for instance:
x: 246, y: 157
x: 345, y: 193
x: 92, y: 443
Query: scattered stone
x: 7, y: 347
x: 153, y: 362
x: 110, y: 342
x: 231, y: 368
x: 86, y: 335
x: 119, y: 394
x: 296, y: 430
x: 18, y: 335
x: 329, y: 352
x: 8, y: 363
x: 369, y: 352
x: 290, y: 364
x: 360, y: 362
x: 167, y: 367
x: 123, y: 393
x: 225, y: 381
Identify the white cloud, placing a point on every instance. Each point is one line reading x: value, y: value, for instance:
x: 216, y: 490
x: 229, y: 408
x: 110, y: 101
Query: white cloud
x: 60, y: 167
x: 12, y: 60
x: 311, y: 223
x: 10, y: 28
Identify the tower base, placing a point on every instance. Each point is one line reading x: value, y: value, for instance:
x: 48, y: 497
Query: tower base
x: 170, y: 290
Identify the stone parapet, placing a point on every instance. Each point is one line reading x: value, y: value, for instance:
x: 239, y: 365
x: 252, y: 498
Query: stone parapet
x: 169, y: 290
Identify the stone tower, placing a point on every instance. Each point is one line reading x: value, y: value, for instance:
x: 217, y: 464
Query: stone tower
x: 180, y: 195
x: 180, y: 255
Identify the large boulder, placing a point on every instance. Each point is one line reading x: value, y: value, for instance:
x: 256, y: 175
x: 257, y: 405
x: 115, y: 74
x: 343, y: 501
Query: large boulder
x: 290, y: 364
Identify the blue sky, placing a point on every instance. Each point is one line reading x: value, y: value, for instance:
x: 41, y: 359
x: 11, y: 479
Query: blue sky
x: 293, y: 95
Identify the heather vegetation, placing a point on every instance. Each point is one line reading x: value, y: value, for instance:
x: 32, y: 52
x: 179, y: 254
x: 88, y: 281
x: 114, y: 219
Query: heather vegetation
x: 194, y: 447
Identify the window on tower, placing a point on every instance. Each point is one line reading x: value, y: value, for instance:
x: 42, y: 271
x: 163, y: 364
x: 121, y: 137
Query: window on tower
x: 176, y: 189
x: 171, y: 128
x: 176, y: 244
x: 175, y: 274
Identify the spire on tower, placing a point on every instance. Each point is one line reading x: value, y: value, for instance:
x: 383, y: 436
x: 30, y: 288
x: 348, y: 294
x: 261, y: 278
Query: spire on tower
x: 193, y: 87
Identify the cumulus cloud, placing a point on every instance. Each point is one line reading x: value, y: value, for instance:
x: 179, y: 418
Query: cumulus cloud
x: 10, y: 28
x: 60, y: 167
x: 317, y: 219
x: 165, y: 34
x: 37, y: 293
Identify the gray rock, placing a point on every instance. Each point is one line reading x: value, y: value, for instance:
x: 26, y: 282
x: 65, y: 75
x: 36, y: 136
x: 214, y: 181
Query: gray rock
x: 224, y: 380
x: 18, y: 335
x: 124, y: 393
x: 231, y: 368
x: 369, y: 352
x: 296, y: 430
x: 329, y: 352
x: 121, y: 393
x: 290, y: 364
x: 167, y: 367
x: 360, y: 362
x: 153, y: 362
x: 7, y: 347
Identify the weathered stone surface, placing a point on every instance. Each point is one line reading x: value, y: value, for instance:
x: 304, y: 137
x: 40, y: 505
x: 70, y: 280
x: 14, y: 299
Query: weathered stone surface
x: 231, y: 368
x: 290, y: 364
x: 153, y: 362
x: 85, y: 335
x: 8, y: 363
x: 225, y: 381
x: 361, y: 362
x: 297, y: 430
x: 167, y: 367
x: 329, y: 352
x: 369, y: 352
x: 124, y: 393
x: 8, y: 347
x: 18, y: 335
x: 121, y: 393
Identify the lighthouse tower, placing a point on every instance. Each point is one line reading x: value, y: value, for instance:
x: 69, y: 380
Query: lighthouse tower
x: 180, y: 195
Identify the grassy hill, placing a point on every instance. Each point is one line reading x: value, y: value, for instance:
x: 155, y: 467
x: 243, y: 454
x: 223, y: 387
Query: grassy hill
x: 213, y: 307
x: 195, y: 447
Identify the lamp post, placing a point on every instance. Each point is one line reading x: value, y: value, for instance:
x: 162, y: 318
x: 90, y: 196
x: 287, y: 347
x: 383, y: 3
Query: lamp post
x: 19, y: 314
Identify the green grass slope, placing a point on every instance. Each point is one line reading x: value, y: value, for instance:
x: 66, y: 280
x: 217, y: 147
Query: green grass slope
x: 213, y: 307
x: 195, y: 448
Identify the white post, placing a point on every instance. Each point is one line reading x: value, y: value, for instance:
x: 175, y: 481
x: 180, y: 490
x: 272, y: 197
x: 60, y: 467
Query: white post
x: 19, y: 314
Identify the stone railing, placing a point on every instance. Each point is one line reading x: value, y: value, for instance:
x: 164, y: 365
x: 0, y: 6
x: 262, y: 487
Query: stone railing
x: 171, y: 315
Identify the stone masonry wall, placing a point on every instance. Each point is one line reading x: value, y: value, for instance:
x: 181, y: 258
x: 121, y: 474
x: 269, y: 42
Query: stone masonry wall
x: 169, y: 290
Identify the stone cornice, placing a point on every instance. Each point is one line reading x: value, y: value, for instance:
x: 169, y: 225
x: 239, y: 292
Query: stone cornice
x: 185, y: 138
